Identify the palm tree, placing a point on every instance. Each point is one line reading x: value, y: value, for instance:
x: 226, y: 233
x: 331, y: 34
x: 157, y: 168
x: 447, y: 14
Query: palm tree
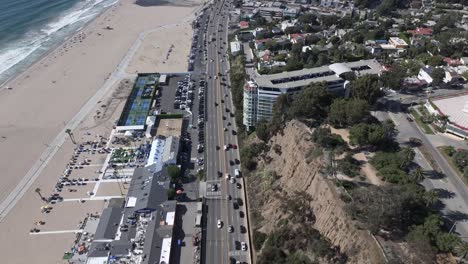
x: 70, y: 133
x: 38, y: 191
x: 431, y: 197
x: 461, y: 250
x: 417, y: 175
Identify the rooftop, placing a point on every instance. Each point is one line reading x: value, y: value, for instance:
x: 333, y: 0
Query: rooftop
x: 300, y: 78
x: 169, y: 127
x: 148, y: 219
x: 453, y: 107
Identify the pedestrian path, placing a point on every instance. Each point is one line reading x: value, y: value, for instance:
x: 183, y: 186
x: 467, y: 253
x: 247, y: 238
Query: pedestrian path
x: 58, y: 232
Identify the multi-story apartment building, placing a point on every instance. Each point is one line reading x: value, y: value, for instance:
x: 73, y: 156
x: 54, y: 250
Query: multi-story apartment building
x: 261, y: 93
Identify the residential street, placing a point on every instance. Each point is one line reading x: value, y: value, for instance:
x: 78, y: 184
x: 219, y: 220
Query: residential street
x: 452, y: 191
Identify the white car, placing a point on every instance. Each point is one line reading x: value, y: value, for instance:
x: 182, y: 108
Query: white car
x: 243, y: 246
x: 233, y: 180
x: 226, y: 147
x: 228, y: 176
x: 220, y: 223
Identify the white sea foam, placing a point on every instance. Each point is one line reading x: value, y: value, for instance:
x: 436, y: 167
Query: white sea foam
x: 81, y: 13
x: 15, y: 53
x: 11, y: 57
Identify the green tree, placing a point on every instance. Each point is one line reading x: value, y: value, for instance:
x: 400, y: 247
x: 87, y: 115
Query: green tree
x: 345, y: 113
x: 460, y: 158
x: 435, y: 60
x: 324, y: 138
x: 393, y: 78
x: 171, y: 193
x: 461, y: 249
x: 366, y: 88
x: 438, y: 75
x: 262, y: 130
x: 364, y: 134
x: 312, y: 102
x: 174, y: 172
x: 446, y: 242
x: 431, y: 197
x: 417, y: 175
x: 407, y: 156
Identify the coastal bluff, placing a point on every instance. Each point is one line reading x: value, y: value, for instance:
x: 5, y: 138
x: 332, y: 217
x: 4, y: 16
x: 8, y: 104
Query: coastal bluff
x: 297, y: 169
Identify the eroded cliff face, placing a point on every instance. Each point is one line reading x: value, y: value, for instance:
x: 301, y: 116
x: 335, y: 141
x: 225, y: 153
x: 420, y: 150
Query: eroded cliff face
x: 296, y: 165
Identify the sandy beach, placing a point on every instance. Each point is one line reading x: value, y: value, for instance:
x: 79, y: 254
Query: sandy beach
x: 48, y: 95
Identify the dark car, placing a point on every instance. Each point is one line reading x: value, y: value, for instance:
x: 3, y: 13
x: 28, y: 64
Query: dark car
x: 235, y: 205
x: 240, y: 202
x: 241, y: 214
x: 242, y: 229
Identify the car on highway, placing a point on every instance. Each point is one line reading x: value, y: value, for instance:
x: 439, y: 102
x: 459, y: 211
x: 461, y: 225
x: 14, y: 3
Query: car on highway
x: 242, y: 229
x: 226, y: 147
x: 238, y: 185
x: 230, y: 229
x: 214, y: 187
x: 228, y: 197
x: 233, y: 180
x: 234, y: 146
x: 243, y: 246
x: 228, y: 176
x: 219, y: 223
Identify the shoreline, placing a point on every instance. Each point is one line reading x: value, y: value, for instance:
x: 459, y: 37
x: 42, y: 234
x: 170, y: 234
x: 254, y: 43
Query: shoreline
x: 64, y: 90
x: 8, y: 202
x: 52, y: 49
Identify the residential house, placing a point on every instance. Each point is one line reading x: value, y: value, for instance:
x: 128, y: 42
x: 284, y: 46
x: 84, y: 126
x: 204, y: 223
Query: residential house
x: 256, y: 32
x: 260, y: 44
x: 290, y: 12
x: 452, y: 62
x: 398, y: 43
x: 297, y: 38
x: 244, y: 25
x: 464, y: 60
x: 287, y: 24
x: 421, y: 31
x: 276, y: 31
x: 425, y: 74
x: 452, y: 77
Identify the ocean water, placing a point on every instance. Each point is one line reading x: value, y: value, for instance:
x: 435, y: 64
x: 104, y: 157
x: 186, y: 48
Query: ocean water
x: 30, y: 28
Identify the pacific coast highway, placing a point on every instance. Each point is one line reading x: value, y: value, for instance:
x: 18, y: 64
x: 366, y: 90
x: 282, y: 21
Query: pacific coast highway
x: 221, y: 245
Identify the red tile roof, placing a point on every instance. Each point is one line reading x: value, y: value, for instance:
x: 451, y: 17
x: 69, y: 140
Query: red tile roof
x: 421, y: 31
x: 243, y: 24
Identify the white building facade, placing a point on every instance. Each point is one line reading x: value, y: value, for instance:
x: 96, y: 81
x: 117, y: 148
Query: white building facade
x: 261, y: 93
